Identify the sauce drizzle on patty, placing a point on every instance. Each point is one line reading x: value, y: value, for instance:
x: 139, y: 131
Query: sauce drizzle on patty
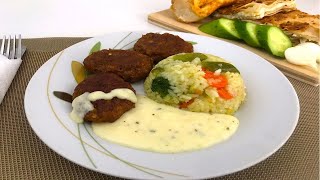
x: 82, y: 104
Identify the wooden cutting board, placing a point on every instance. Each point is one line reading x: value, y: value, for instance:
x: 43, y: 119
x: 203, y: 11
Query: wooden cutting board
x: 167, y: 20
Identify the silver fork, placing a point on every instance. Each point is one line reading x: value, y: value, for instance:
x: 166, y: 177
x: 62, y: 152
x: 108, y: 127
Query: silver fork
x: 11, y: 47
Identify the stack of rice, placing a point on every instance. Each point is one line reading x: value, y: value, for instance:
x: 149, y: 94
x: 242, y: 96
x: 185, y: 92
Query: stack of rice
x: 176, y: 81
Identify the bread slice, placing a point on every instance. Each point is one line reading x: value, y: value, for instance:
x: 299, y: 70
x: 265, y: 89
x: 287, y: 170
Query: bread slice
x: 298, y: 25
x: 254, y: 9
x: 195, y: 10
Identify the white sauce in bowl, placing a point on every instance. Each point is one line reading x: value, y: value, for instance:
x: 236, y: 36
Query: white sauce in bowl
x: 161, y: 128
x: 82, y: 104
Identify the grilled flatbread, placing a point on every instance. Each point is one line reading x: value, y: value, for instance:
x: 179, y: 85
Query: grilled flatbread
x: 254, y: 9
x: 297, y: 24
x: 195, y: 10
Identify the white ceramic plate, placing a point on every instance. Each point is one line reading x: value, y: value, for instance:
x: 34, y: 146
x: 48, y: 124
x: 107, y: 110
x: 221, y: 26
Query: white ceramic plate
x: 267, y: 118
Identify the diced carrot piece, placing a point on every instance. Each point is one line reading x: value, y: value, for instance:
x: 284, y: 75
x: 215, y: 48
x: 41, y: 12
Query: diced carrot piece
x: 223, y: 93
x: 217, y: 81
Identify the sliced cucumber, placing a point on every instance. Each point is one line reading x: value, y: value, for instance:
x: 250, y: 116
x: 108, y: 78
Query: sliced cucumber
x: 273, y: 40
x: 247, y: 32
x: 224, y: 28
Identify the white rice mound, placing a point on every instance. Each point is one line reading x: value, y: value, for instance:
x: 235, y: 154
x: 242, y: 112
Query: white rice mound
x: 187, y: 82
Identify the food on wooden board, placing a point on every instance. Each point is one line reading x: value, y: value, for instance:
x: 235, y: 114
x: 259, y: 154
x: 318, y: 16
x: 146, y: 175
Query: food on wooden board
x: 270, y: 38
x: 195, y: 10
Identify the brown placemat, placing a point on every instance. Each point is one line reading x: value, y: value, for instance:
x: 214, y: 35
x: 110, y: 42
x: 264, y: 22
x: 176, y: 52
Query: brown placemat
x: 24, y: 156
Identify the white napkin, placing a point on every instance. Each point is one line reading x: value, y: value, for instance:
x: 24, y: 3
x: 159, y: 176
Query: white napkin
x: 8, y: 69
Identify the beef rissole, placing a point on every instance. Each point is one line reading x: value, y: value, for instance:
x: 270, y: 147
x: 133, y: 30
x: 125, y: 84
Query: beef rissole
x: 104, y: 110
x: 132, y: 66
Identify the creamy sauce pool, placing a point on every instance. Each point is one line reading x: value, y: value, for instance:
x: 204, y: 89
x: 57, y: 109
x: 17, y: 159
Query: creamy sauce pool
x: 161, y: 128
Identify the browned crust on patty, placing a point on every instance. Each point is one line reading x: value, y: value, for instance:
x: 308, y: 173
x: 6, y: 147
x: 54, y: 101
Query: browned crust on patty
x: 105, y: 110
x: 132, y: 66
x: 160, y: 46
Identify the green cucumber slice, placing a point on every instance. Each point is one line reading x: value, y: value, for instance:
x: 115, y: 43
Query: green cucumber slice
x: 247, y: 32
x: 224, y: 28
x: 273, y: 40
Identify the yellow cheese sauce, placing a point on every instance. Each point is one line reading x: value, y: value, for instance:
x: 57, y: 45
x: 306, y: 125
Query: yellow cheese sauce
x: 161, y: 128
x: 81, y: 105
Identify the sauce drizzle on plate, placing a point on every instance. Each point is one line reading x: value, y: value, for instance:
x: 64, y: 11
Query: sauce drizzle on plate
x: 161, y: 128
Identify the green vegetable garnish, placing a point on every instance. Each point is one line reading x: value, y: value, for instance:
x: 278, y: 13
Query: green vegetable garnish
x: 157, y: 71
x: 95, y: 48
x: 160, y: 85
x: 213, y: 66
x: 191, y: 42
x: 78, y: 71
x: 190, y: 56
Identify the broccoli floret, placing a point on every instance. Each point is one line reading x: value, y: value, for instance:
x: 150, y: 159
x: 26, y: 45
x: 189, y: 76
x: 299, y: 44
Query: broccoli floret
x: 160, y: 85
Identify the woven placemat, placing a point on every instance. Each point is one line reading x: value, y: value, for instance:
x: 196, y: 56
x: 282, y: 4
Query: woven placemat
x: 24, y: 156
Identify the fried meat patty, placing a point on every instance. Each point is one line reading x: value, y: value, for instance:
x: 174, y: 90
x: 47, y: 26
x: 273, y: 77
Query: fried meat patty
x: 160, y: 46
x: 105, y: 110
x: 132, y: 66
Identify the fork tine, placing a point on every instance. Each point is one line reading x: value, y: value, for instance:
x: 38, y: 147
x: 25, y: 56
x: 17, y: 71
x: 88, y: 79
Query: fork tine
x: 8, y: 47
x: 2, y: 45
x: 19, y: 50
x: 13, y: 49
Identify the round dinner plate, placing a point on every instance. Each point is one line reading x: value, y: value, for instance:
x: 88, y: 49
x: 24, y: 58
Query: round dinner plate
x: 267, y: 117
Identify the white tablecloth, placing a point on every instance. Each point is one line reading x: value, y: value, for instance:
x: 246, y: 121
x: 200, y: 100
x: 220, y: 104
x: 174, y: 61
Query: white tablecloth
x: 81, y: 18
